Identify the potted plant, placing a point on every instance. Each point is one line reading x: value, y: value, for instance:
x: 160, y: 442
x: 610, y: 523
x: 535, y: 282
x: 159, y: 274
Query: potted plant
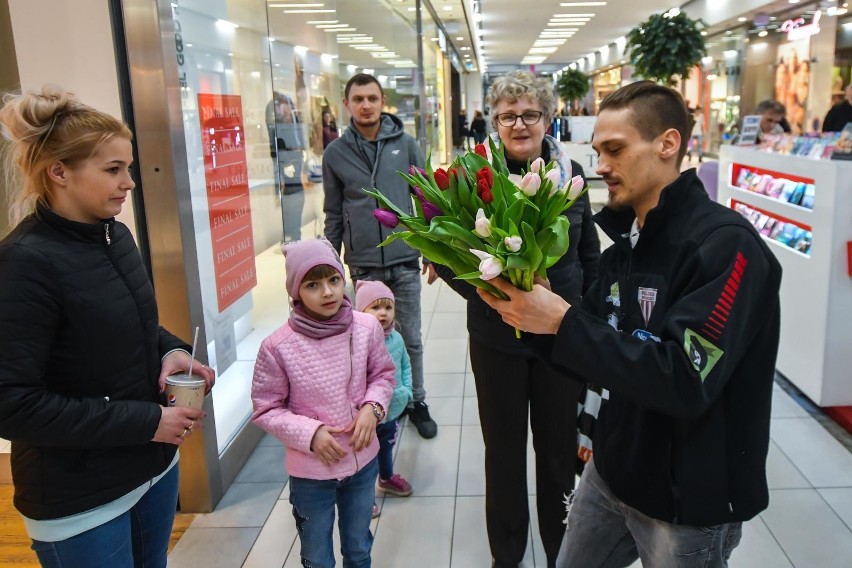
x: 572, y: 85
x: 666, y: 46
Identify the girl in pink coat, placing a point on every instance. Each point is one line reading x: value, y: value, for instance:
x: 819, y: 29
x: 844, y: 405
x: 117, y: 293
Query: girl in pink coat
x: 321, y: 384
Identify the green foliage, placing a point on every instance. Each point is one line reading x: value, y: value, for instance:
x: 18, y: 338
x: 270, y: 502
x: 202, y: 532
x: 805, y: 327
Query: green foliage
x: 665, y: 46
x: 572, y: 85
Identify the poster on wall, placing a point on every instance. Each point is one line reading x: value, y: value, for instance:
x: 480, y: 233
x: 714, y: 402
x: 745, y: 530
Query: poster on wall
x: 229, y: 207
x: 792, y: 81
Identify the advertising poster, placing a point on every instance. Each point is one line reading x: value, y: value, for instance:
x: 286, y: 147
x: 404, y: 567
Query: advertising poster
x: 792, y: 81
x: 226, y: 178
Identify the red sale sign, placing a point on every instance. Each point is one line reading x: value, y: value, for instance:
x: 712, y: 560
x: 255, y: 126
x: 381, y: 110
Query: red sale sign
x: 226, y: 175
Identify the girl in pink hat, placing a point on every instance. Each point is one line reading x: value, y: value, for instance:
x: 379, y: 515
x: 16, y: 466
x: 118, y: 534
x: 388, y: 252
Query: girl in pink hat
x: 321, y: 384
x: 375, y: 298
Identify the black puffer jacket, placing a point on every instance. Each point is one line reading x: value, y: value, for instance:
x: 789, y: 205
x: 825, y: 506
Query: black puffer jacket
x: 80, y: 351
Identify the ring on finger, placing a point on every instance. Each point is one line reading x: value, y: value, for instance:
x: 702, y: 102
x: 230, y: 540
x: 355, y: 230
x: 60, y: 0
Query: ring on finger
x: 185, y: 432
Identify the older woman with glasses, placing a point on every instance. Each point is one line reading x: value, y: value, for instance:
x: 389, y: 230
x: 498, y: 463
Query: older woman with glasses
x: 514, y: 389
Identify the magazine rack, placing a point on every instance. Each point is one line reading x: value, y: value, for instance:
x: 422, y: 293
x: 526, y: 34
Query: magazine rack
x: 815, y: 352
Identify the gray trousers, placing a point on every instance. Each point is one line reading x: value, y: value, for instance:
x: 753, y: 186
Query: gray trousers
x: 603, y: 532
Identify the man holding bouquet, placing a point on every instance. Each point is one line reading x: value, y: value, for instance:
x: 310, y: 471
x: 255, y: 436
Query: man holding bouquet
x: 682, y: 327
x: 368, y: 155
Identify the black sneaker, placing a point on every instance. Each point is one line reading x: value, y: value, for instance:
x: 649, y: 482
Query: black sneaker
x: 418, y: 413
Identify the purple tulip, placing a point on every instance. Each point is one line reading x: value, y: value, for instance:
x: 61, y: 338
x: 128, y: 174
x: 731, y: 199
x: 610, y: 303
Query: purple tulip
x: 386, y: 217
x: 415, y: 190
x: 430, y: 210
x: 414, y: 170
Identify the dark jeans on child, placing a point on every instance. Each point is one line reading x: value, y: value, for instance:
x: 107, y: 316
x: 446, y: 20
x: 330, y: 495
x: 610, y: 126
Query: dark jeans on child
x: 386, y: 431
x: 314, y: 503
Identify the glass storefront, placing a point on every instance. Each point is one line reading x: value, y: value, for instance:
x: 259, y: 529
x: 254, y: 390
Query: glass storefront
x: 261, y: 89
x: 723, y: 71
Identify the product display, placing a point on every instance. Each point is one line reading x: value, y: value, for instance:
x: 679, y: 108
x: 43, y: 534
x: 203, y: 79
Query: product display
x: 813, y: 145
x: 800, y: 207
x: 775, y: 185
x: 783, y: 231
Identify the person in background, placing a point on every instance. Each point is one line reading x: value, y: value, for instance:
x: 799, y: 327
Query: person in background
x: 287, y: 141
x: 682, y: 328
x: 771, y: 115
x: 696, y: 141
x: 515, y: 390
x: 369, y: 155
x: 463, y: 132
x: 840, y: 114
x: 321, y: 384
x: 329, y: 129
x: 84, y: 359
x: 376, y: 299
x: 478, y: 127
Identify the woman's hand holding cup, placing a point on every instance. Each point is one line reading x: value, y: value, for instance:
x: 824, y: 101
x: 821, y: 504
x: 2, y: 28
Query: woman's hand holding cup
x: 177, y: 423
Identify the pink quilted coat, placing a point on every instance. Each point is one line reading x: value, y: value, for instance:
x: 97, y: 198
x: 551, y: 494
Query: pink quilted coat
x: 301, y: 383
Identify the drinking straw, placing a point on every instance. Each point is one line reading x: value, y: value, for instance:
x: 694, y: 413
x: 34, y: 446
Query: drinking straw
x: 192, y: 355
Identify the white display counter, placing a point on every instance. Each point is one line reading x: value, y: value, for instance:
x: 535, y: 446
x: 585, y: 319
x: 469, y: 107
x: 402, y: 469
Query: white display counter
x: 815, y: 352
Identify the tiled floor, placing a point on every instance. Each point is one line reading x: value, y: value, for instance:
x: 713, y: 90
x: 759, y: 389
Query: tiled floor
x: 808, y: 523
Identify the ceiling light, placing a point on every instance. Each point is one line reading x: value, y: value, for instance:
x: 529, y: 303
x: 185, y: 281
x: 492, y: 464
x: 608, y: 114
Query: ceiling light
x: 760, y: 44
x: 314, y: 5
x: 742, y: 19
x: 762, y: 33
x: 542, y: 50
x: 336, y: 30
x: 322, y: 21
x: 310, y: 11
x: 570, y: 4
x: 712, y: 77
x: 331, y: 26
x: 564, y: 26
x: 460, y: 39
x: 477, y: 17
x: 793, y: 1
x: 448, y: 8
x: 574, y: 15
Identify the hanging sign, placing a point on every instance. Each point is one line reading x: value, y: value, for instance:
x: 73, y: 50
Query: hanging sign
x: 797, y: 29
x: 226, y: 176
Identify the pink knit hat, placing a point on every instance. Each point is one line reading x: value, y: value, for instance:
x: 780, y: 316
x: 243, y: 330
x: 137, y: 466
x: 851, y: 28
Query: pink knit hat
x: 368, y: 291
x: 301, y: 256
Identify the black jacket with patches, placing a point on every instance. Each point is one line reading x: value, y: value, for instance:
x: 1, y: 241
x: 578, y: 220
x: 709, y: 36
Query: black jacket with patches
x: 685, y: 433
x: 80, y: 351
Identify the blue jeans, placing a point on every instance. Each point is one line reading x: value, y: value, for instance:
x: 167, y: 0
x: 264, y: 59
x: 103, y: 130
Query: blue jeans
x: 603, y: 532
x: 404, y: 282
x: 313, y: 503
x: 138, y: 538
x: 386, y: 431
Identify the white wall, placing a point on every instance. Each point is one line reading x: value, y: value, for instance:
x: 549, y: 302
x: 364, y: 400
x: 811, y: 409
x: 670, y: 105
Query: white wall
x: 70, y: 44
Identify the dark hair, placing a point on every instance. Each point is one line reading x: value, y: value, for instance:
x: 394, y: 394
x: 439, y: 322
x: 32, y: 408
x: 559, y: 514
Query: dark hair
x: 361, y: 79
x: 320, y: 271
x: 654, y: 109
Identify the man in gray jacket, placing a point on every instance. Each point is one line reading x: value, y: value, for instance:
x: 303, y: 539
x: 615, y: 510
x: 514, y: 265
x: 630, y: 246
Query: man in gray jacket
x: 369, y: 155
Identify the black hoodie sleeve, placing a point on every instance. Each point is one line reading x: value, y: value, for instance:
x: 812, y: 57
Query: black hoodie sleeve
x: 706, y: 332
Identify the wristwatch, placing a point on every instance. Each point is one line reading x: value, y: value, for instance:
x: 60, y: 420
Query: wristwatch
x: 378, y: 411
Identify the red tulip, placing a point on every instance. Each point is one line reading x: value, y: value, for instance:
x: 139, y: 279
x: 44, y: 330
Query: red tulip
x: 480, y: 149
x: 487, y: 196
x: 442, y: 179
x: 486, y: 175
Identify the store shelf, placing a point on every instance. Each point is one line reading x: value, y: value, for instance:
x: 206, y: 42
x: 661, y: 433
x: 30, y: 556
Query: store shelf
x: 815, y: 349
x: 775, y: 205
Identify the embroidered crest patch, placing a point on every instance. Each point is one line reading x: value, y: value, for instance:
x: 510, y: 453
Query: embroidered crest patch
x: 702, y: 354
x: 647, y: 299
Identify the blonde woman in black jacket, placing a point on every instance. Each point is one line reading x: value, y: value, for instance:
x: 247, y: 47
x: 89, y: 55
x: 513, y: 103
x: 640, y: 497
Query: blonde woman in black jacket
x: 83, y: 358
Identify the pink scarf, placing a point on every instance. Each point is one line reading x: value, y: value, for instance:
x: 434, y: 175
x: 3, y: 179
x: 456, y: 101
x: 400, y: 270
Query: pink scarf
x: 301, y: 322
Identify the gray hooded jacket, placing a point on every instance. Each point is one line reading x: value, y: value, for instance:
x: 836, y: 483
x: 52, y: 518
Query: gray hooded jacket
x: 352, y: 163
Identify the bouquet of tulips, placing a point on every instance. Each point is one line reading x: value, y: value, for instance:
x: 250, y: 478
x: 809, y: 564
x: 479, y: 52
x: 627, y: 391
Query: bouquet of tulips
x: 481, y: 221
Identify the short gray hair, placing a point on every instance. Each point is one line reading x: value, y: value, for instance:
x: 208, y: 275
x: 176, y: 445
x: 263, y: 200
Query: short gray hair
x: 770, y: 105
x: 519, y: 84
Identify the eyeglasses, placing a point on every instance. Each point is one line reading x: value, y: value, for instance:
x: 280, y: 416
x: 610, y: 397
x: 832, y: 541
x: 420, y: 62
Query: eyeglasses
x: 508, y: 119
